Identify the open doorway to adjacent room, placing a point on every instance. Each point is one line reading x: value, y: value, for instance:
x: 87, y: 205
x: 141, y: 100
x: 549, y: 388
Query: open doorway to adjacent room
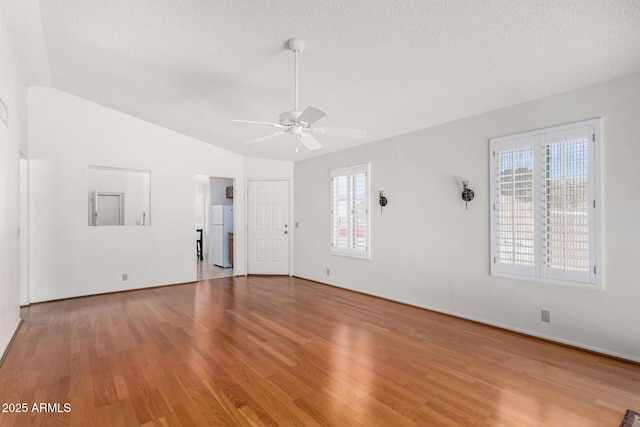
x: 214, y: 227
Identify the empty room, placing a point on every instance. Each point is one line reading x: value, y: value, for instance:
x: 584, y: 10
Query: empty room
x: 327, y: 213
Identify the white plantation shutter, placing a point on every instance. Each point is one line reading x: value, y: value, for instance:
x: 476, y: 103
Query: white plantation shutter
x: 350, y: 211
x: 514, y: 209
x: 340, y: 212
x: 201, y: 211
x: 360, y: 211
x: 566, y: 212
x: 543, y: 197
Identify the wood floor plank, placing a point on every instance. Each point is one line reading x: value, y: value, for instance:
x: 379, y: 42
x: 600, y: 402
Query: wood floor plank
x: 268, y: 351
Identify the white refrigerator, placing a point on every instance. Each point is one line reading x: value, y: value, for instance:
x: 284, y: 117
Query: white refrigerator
x: 221, y: 225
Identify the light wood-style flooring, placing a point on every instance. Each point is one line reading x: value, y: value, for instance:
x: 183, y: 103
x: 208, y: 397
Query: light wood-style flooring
x: 207, y: 271
x: 258, y: 350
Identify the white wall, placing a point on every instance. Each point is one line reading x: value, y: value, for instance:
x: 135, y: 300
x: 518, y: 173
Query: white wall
x: 13, y: 138
x: 257, y: 168
x: 428, y: 251
x: 69, y: 258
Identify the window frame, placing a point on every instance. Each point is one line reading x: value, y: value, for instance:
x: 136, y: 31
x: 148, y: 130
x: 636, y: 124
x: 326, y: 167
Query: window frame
x: 351, y: 252
x: 539, y: 272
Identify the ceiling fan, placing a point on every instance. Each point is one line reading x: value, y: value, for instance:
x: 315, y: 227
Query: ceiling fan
x: 299, y: 123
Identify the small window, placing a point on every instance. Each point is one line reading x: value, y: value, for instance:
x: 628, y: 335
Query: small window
x: 543, y: 204
x: 350, y: 211
x: 201, y: 212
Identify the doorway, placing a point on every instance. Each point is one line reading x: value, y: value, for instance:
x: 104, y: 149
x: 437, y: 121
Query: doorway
x: 214, y: 227
x: 269, y: 231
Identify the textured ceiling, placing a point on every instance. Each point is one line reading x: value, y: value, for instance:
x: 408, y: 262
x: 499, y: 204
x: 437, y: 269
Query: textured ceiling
x: 389, y: 67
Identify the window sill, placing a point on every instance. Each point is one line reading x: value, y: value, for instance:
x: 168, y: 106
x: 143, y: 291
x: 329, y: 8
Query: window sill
x: 598, y: 286
x: 365, y: 256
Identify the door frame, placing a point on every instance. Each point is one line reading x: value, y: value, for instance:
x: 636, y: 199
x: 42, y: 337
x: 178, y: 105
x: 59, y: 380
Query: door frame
x: 289, y: 180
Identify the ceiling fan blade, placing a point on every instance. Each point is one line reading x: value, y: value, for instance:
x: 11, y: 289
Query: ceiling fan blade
x: 262, y: 138
x: 309, y: 141
x: 344, y: 133
x: 311, y: 115
x: 275, y: 125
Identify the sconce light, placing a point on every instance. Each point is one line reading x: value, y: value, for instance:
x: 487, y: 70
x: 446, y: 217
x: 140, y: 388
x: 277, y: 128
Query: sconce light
x: 383, y: 201
x: 467, y: 193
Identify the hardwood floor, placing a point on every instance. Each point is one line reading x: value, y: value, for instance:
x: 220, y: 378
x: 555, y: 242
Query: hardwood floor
x: 252, y: 351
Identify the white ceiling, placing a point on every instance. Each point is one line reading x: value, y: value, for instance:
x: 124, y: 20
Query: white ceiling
x: 389, y: 67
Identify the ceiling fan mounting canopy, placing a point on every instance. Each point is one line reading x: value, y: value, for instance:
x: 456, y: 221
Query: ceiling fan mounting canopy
x: 299, y: 123
x: 296, y: 45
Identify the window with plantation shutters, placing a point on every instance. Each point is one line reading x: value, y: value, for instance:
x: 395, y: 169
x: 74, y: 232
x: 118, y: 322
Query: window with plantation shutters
x: 201, y: 212
x: 350, y: 211
x: 544, y: 204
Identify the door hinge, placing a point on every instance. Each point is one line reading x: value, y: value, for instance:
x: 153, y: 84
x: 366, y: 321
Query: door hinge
x: 594, y: 269
x: 593, y: 137
x: 494, y: 260
x: 594, y: 204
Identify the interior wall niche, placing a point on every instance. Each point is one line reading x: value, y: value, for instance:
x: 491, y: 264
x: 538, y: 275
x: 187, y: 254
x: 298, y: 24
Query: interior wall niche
x: 118, y: 196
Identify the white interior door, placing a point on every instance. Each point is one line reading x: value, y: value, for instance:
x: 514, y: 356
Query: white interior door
x: 269, y: 230
x: 110, y: 209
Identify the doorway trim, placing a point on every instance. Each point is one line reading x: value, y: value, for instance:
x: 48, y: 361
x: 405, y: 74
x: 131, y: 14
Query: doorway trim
x: 25, y: 298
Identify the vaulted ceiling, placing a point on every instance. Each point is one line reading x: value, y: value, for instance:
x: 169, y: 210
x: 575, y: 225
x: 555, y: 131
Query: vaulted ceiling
x: 389, y: 67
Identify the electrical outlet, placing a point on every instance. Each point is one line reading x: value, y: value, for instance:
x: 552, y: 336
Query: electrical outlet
x: 545, y: 316
x: 125, y: 277
x: 328, y: 272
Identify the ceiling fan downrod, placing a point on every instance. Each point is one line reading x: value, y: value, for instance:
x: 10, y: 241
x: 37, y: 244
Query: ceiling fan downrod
x: 297, y: 46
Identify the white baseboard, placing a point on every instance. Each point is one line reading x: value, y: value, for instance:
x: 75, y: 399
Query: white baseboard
x: 7, y: 344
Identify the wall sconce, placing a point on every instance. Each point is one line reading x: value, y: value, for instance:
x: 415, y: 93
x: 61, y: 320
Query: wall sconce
x: 383, y: 201
x: 467, y: 193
